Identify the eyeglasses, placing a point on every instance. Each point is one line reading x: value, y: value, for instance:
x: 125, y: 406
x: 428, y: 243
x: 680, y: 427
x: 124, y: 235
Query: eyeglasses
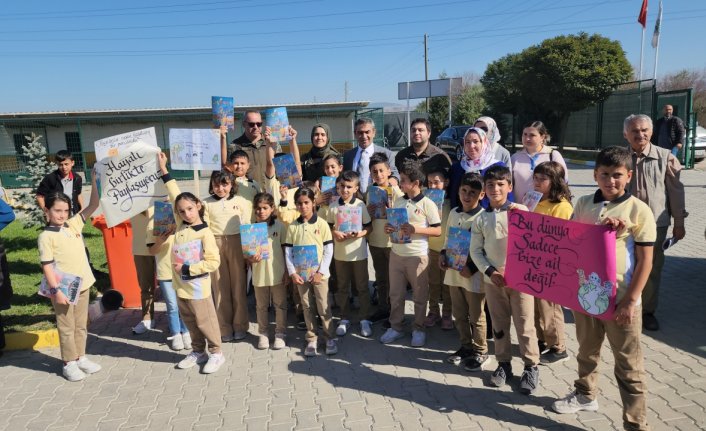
x: 254, y: 124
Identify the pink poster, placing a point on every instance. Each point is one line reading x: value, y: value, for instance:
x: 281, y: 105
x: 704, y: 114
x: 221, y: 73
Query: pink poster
x: 570, y: 263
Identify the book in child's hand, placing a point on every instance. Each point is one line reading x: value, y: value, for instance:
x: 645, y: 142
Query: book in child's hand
x: 328, y: 184
x: 276, y: 119
x: 381, y: 197
x: 531, y: 199
x: 458, y: 245
x: 254, y: 240
x: 188, y: 253
x: 286, y: 170
x: 69, y: 284
x: 436, y: 196
x: 306, y: 260
x: 349, y: 219
x: 222, y: 112
x: 397, y: 217
x: 163, y: 218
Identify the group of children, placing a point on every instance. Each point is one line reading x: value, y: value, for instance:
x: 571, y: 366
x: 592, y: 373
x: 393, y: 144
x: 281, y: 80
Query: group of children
x: 206, y: 297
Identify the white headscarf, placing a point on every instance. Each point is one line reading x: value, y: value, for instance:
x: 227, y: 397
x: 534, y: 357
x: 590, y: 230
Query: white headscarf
x: 487, y: 155
x: 493, y: 131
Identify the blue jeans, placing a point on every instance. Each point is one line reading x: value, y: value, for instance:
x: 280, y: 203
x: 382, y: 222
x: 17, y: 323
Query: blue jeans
x: 675, y: 150
x: 176, y: 325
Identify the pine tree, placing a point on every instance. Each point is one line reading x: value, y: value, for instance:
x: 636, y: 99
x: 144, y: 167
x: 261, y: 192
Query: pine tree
x: 37, y: 167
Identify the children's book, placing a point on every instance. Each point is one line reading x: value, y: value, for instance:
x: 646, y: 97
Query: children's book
x: 69, y: 284
x: 458, y: 245
x: 381, y: 197
x: 397, y: 217
x: 222, y: 109
x: 328, y: 184
x: 286, y: 171
x: 349, y: 219
x: 188, y: 253
x: 254, y: 240
x: 306, y: 260
x: 436, y: 196
x: 531, y: 199
x: 276, y: 119
x: 163, y: 218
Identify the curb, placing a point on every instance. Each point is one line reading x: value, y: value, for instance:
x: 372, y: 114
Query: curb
x: 590, y: 163
x: 31, y: 340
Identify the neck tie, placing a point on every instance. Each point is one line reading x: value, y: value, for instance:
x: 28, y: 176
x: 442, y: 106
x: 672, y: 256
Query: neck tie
x: 364, y: 170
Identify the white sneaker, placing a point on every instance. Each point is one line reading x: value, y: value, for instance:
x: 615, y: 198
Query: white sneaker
x: 331, y: 347
x: 366, y: 328
x: 419, y: 338
x: 280, y: 342
x: 310, y: 349
x: 142, y: 327
x: 176, y: 342
x: 342, y: 327
x: 88, y: 366
x: 574, y: 402
x: 263, y: 342
x: 390, y: 335
x: 215, y: 360
x: 186, y: 338
x: 192, y: 359
x: 72, y: 372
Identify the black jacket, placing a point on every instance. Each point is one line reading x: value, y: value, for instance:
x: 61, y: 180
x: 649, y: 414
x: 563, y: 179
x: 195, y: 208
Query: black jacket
x: 676, y: 131
x: 52, y: 183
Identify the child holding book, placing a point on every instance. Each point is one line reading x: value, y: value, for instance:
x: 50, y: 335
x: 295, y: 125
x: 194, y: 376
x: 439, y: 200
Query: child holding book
x: 310, y: 230
x: 466, y: 286
x: 332, y: 168
x: 489, y: 236
x: 549, y: 180
x: 268, y: 275
x: 61, y: 248
x: 636, y: 233
x: 438, y: 290
x: 229, y: 205
x: 350, y: 251
x: 378, y: 240
x: 195, y: 256
x: 145, y: 268
x: 409, y: 260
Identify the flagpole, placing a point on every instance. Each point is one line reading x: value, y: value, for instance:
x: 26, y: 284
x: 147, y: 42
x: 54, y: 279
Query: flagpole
x: 642, y: 50
x: 656, y: 56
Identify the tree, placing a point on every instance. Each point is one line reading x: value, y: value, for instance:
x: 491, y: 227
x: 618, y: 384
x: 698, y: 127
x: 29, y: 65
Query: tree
x: 684, y: 78
x: 559, y: 76
x: 37, y: 167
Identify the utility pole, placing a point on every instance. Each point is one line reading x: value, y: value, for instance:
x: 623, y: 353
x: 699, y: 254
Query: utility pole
x: 345, y: 91
x: 426, y: 65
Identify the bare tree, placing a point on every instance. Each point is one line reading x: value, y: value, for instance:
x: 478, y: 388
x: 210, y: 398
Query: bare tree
x: 683, y: 79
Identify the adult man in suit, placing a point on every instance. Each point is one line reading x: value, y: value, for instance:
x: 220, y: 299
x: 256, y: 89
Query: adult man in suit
x: 358, y: 159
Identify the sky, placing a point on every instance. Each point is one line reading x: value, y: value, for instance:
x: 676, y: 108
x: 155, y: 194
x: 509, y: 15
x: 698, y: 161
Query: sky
x: 80, y: 55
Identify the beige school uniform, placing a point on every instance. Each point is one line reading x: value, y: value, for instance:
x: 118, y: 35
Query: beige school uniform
x: 268, y: 281
x: 438, y: 290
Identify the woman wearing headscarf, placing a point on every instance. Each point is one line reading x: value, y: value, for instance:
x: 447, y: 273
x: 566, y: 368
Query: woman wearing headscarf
x: 535, y: 150
x: 312, y: 162
x: 491, y: 129
x: 478, y: 156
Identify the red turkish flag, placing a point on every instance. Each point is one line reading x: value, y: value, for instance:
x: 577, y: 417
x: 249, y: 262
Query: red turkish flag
x: 642, y: 18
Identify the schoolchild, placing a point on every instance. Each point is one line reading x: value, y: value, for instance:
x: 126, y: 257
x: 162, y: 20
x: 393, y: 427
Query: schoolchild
x: 409, y: 261
x: 145, y: 268
x: 636, y: 230
x: 488, y: 250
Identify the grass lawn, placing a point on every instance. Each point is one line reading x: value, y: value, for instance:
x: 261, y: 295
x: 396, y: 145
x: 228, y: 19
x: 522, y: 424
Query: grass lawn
x: 30, y: 311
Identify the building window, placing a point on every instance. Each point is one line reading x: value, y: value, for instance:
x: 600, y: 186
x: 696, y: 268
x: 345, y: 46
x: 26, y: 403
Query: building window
x: 73, y: 145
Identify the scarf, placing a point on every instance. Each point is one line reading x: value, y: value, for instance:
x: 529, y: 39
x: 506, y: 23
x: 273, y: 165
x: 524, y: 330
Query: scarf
x: 317, y: 153
x: 493, y: 132
x: 486, y: 158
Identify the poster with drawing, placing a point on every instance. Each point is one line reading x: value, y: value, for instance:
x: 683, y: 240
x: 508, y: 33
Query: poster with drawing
x: 195, y: 149
x: 108, y: 147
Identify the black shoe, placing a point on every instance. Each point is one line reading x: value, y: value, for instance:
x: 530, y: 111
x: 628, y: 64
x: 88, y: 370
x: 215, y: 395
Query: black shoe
x: 501, y: 374
x: 301, y: 325
x: 543, y: 348
x: 553, y: 356
x: 529, y: 380
x: 649, y: 322
x: 379, y: 315
x: 475, y: 362
x: 459, y: 355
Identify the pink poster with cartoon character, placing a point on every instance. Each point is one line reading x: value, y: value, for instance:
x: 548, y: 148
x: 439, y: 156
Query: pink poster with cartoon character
x: 570, y: 263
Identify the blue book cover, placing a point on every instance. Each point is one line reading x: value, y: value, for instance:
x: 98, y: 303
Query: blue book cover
x: 397, y: 217
x: 287, y: 172
x: 306, y: 260
x: 69, y: 284
x: 276, y: 119
x: 254, y: 240
x: 163, y: 218
x: 380, y: 197
x: 349, y: 219
x: 458, y: 245
x: 222, y: 111
x: 436, y: 196
x: 328, y: 184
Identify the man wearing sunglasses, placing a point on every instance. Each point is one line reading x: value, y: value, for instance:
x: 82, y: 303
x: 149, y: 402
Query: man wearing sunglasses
x: 253, y: 143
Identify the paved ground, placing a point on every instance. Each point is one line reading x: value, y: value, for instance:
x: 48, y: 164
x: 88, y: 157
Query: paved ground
x: 367, y: 385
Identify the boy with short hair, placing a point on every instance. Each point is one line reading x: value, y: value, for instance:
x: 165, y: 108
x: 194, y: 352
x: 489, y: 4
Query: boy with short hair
x: 636, y: 234
x: 239, y: 163
x: 489, y: 250
x: 437, y: 180
x: 409, y: 261
x: 64, y: 180
x: 378, y: 240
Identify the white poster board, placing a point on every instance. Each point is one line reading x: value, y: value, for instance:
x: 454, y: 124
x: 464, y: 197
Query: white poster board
x: 108, y: 147
x: 131, y: 181
x: 195, y: 149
